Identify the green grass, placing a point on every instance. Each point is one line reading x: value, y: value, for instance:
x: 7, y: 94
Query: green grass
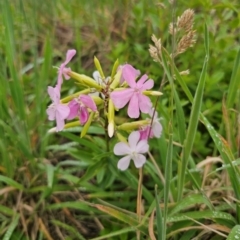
x: 61, y: 186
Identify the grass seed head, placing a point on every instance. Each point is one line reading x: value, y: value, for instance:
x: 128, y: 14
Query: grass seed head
x: 185, y: 21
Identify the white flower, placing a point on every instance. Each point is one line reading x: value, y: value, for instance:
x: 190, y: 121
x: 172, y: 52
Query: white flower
x: 134, y: 150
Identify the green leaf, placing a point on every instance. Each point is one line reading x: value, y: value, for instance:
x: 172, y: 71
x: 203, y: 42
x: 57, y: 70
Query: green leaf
x: 161, y: 228
x: 235, y: 233
x: 234, y: 82
x: 213, y: 215
x: 188, y: 202
x: 116, y: 213
x: 168, y: 177
x: 11, y: 227
x: 6, y: 211
x: 91, y: 171
x: 78, y: 205
x: 68, y: 228
x: 50, y: 174
x: 115, y: 233
x: 11, y: 182
x: 193, y: 122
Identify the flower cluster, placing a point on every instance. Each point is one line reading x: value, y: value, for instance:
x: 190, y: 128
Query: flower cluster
x: 101, y: 97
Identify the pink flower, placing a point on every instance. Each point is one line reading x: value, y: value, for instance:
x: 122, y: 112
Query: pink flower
x: 133, y: 150
x: 57, y: 111
x: 78, y: 107
x: 133, y: 95
x: 63, y: 70
x: 155, y: 130
x: 128, y: 68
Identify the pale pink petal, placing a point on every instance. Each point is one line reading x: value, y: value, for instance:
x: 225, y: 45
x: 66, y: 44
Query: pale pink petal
x: 60, y: 79
x: 133, y: 107
x: 157, y: 129
x: 130, y: 74
x: 74, y: 107
x: 142, y: 146
x: 88, y: 102
x: 133, y: 140
x: 121, y: 98
x: 62, y: 111
x: 121, y: 148
x: 51, y: 112
x: 147, y: 85
x: 83, y: 117
x: 144, y: 103
x: 144, y: 133
x: 54, y: 94
x: 142, y: 80
x: 123, y: 163
x: 60, y: 125
x: 70, y: 54
x: 151, y: 111
x: 139, y: 160
x: 65, y: 72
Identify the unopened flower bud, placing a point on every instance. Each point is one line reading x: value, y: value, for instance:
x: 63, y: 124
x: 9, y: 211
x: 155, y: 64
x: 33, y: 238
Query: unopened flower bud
x: 111, y: 113
x: 116, y: 79
x: 152, y: 93
x: 85, y: 80
x: 133, y: 125
x: 98, y: 67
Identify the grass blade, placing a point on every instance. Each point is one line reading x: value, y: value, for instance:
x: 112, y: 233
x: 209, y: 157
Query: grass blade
x: 194, y: 118
x: 11, y: 228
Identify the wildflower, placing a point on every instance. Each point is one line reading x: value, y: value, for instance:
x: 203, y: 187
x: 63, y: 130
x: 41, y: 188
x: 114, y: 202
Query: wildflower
x: 79, y: 107
x: 63, y: 70
x: 155, y: 129
x: 134, y: 150
x: 134, y: 95
x: 57, y: 111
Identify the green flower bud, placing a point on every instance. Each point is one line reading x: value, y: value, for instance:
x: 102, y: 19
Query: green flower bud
x: 111, y: 113
x: 85, y: 80
x: 133, y: 125
x: 87, y: 124
x: 98, y: 67
x: 152, y: 93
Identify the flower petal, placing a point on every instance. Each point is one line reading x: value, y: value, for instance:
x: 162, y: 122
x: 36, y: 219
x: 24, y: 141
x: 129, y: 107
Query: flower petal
x: 62, y: 111
x: 142, y: 146
x: 142, y: 80
x: 148, y: 85
x: 144, y: 103
x: 130, y: 74
x: 51, y: 112
x: 139, y: 160
x: 157, y: 129
x: 144, y: 133
x: 54, y: 94
x: 83, y: 116
x: 133, y: 139
x: 123, y: 163
x: 88, y: 102
x: 74, y: 107
x: 97, y: 77
x: 121, y: 98
x: 60, y: 124
x: 121, y: 148
x: 70, y: 54
x: 133, y: 107
x: 65, y: 72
